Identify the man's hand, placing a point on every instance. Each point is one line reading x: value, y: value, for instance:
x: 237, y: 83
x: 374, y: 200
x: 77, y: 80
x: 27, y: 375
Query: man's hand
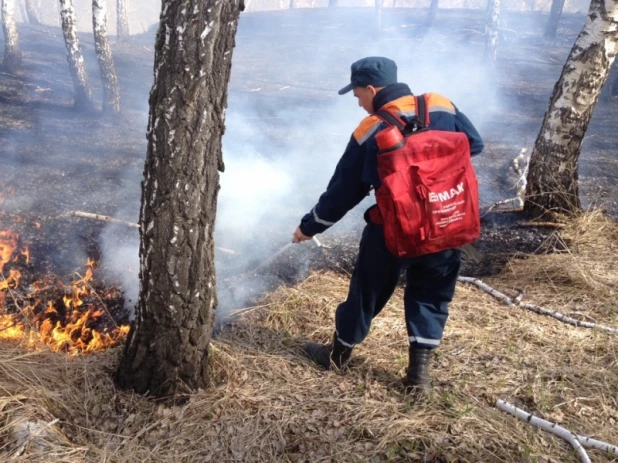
x: 299, y: 236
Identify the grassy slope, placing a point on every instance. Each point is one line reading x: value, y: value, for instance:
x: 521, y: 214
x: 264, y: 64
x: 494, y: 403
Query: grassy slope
x: 268, y: 404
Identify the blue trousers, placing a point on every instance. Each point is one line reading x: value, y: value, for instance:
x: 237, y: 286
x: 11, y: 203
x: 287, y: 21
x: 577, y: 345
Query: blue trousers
x: 430, y: 286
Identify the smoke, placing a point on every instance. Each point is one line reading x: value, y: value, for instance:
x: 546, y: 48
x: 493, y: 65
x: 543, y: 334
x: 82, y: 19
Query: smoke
x: 286, y: 129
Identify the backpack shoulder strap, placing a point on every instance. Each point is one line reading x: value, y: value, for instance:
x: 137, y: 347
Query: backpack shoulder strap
x: 421, y: 110
x: 390, y: 118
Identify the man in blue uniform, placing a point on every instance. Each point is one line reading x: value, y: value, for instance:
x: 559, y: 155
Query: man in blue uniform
x: 431, y: 278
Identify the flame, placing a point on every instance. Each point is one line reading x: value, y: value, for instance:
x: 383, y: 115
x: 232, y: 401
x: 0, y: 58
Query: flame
x: 26, y: 254
x: 80, y: 288
x: 73, y: 335
x: 70, y: 328
x: 8, y: 244
x: 12, y: 281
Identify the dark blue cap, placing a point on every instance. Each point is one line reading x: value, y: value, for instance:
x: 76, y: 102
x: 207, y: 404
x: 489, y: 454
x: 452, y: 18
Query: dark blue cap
x: 374, y: 70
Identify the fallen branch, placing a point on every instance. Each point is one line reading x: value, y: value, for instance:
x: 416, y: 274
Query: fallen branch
x: 597, y: 444
x: 520, y: 185
x: 102, y: 218
x: 541, y: 224
x: 516, y: 199
x: 548, y: 426
x: 535, y: 308
x: 106, y: 218
x: 488, y: 289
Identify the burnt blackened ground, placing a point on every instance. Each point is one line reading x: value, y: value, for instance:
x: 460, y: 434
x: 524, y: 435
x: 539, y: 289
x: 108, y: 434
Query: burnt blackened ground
x: 286, y: 70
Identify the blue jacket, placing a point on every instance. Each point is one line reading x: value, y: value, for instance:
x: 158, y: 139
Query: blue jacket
x: 357, y: 170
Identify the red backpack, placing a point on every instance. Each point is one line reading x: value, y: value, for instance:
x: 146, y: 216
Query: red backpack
x: 428, y: 198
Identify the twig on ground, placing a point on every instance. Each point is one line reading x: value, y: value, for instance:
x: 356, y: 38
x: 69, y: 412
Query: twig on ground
x: 102, y: 218
x: 535, y: 308
x: 583, y: 315
x: 516, y: 199
x: 488, y: 289
x: 520, y: 185
x: 541, y: 224
x: 106, y: 218
x: 245, y: 310
x: 548, y: 426
x: 597, y: 444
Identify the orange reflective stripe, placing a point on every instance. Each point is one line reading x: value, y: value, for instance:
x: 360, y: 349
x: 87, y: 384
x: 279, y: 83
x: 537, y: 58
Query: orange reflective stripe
x: 366, y: 128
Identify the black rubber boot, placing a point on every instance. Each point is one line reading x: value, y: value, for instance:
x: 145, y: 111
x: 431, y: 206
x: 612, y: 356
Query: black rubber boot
x: 417, y: 380
x: 327, y: 355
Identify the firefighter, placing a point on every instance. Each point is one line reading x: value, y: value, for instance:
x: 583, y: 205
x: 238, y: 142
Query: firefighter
x: 430, y: 278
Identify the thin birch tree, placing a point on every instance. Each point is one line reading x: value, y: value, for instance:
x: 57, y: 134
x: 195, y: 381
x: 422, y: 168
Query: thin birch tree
x: 109, y: 79
x: 492, y: 29
x: 431, y: 14
x: 31, y: 12
x: 83, y: 92
x: 12, y: 54
x: 553, y: 175
x: 122, y: 25
x: 167, y: 347
x: 378, y: 6
x: 22, y: 9
x: 555, y: 13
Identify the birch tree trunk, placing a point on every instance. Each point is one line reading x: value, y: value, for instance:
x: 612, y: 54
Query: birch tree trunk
x: 83, y: 92
x: 554, y: 18
x: 553, y: 174
x: 492, y: 31
x: 378, y: 5
x: 431, y: 14
x: 33, y: 17
x: 167, y: 347
x: 111, y: 92
x: 12, y: 54
x: 122, y: 26
x: 22, y: 9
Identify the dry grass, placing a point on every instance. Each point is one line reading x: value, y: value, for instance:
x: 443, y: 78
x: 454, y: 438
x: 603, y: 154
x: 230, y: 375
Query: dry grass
x: 268, y: 404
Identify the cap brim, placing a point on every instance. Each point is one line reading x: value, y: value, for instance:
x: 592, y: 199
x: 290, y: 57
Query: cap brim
x: 346, y: 89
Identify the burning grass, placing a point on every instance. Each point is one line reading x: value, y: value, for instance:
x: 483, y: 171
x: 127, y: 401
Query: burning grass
x: 65, y: 317
x: 267, y: 403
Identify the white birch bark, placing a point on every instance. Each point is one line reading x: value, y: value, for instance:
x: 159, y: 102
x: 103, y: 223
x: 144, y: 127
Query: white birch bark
x: 22, y: 9
x: 33, y: 17
x: 431, y: 14
x: 83, y: 92
x: 12, y: 54
x: 553, y: 175
x: 111, y: 91
x: 122, y: 26
x: 552, y: 428
x: 492, y: 31
x: 378, y: 5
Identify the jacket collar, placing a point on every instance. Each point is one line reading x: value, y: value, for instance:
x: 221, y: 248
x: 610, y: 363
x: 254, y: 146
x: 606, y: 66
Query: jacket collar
x: 390, y: 93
